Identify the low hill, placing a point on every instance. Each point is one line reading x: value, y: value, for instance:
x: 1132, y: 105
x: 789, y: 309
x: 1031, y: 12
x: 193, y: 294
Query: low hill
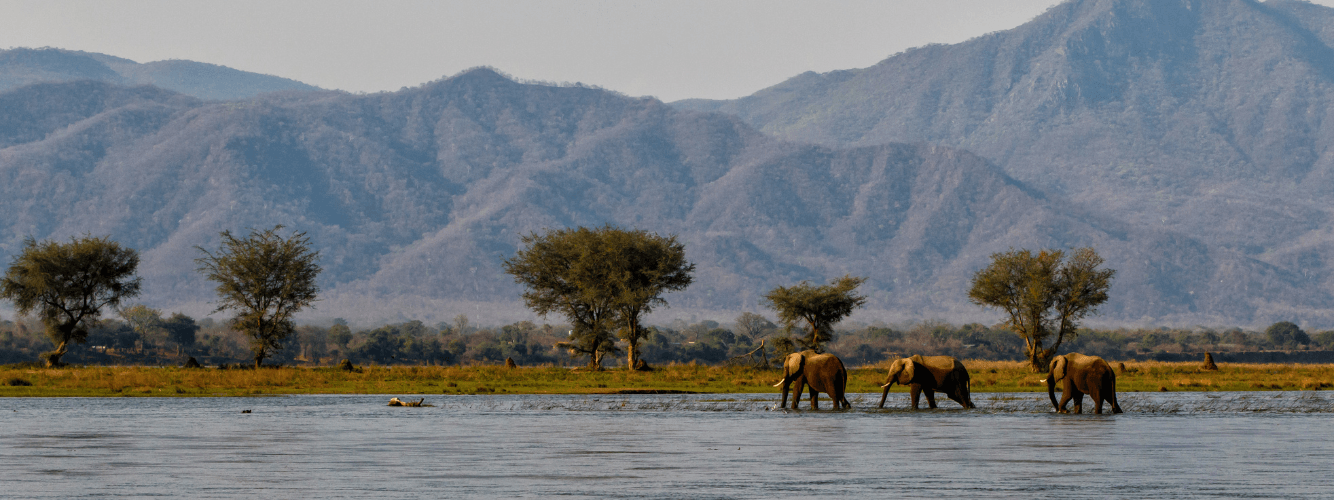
x: 23, y: 66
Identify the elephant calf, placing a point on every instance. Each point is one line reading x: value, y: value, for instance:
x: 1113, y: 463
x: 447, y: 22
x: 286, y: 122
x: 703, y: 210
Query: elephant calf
x: 822, y: 372
x: 1080, y: 375
x: 928, y: 374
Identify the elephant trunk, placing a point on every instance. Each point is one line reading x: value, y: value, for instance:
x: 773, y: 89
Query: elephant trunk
x: 885, y: 395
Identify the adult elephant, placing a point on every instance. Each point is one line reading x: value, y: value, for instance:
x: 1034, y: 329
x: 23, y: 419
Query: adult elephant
x: 928, y: 374
x: 1080, y: 375
x: 822, y: 372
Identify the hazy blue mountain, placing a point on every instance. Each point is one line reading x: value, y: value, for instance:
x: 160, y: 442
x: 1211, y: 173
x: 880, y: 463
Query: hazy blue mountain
x: 1204, y: 118
x: 23, y: 66
x: 415, y: 197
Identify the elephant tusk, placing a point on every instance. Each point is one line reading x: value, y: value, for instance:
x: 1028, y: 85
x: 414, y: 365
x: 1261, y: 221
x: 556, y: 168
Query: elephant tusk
x: 779, y: 384
x: 886, y: 386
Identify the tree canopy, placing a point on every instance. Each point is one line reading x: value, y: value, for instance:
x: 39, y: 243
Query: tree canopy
x: 181, y: 329
x: 600, y: 279
x: 146, y: 321
x: 817, y: 308
x: 68, y: 284
x: 266, y: 279
x: 1286, y: 334
x: 1044, y: 295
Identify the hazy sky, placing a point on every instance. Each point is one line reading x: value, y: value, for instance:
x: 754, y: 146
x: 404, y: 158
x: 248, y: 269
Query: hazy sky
x: 668, y: 49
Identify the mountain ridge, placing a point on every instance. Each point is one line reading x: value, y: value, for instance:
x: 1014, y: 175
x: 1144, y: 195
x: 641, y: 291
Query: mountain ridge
x: 1206, y: 119
x: 415, y: 197
x: 24, y: 66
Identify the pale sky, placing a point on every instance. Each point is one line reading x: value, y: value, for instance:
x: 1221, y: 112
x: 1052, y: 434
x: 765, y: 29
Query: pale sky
x: 670, y: 49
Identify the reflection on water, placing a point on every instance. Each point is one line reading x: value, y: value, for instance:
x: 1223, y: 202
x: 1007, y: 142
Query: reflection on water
x: 1167, y: 445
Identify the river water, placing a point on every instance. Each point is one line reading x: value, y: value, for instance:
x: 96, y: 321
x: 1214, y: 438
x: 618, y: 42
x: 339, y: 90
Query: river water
x: 1166, y: 445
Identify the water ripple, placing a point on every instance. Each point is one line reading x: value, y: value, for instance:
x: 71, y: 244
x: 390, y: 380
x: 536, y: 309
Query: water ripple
x: 1166, y: 445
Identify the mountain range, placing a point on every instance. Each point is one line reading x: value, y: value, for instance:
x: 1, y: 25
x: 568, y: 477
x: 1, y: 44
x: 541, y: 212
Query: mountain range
x: 1184, y: 140
x: 23, y: 66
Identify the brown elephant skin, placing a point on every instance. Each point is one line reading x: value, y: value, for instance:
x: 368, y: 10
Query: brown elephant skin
x: 928, y: 374
x: 821, y: 372
x: 1080, y: 375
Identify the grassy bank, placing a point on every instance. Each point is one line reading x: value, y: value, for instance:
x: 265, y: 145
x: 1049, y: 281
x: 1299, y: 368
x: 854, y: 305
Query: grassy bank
x: 987, y: 376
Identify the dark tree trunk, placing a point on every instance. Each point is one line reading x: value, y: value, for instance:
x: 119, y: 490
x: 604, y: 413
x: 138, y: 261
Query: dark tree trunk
x: 52, y: 358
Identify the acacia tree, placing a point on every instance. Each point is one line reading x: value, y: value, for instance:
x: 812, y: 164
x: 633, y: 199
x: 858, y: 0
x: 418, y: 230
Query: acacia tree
x: 645, y: 266
x: 752, y: 325
x: 817, y: 308
x: 599, y: 279
x: 1044, y: 295
x: 266, y: 279
x: 68, y: 284
x: 145, y: 321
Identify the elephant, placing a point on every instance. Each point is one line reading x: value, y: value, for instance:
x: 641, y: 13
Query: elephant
x: 1082, y: 375
x: 822, y: 372
x: 930, y: 374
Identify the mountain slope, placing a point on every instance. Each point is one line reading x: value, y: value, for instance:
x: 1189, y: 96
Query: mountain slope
x: 414, y: 198
x: 22, y: 66
x: 1205, y: 118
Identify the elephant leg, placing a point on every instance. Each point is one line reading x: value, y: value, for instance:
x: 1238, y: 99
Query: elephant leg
x: 1079, y: 402
x: 930, y: 398
x: 916, y: 395
x: 1066, y: 395
x: 1096, y: 396
x: 796, y: 393
x: 953, y: 394
x: 815, y: 400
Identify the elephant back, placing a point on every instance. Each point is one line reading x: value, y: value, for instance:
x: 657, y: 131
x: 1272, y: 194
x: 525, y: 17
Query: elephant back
x: 942, y: 368
x: 1084, y: 362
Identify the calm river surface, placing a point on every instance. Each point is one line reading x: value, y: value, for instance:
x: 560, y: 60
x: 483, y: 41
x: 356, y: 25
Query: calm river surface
x: 1167, y: 445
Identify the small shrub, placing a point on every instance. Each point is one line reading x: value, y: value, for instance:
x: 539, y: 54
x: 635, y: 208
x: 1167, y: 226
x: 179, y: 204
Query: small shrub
x: 17, y: 382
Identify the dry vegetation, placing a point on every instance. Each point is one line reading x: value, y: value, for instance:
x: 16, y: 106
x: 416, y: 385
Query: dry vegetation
x: 987, y: 376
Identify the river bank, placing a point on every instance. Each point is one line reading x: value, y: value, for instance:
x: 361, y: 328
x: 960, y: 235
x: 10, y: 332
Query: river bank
x: 987, y: 376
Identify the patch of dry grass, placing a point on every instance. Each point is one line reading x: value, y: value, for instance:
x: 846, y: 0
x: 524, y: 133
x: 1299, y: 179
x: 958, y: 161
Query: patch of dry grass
x: 987, y: 376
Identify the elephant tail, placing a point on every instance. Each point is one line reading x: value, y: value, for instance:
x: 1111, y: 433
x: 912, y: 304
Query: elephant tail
x: 1111, y: 393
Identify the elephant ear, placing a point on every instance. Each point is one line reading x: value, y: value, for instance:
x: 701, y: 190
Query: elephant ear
x: 792, y: 365
x: 1058, y: 368
x: 795, y: 363
x: 909, y: 368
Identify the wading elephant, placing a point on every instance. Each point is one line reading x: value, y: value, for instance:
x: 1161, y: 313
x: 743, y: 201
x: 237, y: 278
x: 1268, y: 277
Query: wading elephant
x: 822, y: 372
x: 928, y: 374
x: 1080, y: 375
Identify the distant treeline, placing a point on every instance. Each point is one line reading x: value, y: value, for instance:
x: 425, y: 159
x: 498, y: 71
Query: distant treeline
x: 119, y: 342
